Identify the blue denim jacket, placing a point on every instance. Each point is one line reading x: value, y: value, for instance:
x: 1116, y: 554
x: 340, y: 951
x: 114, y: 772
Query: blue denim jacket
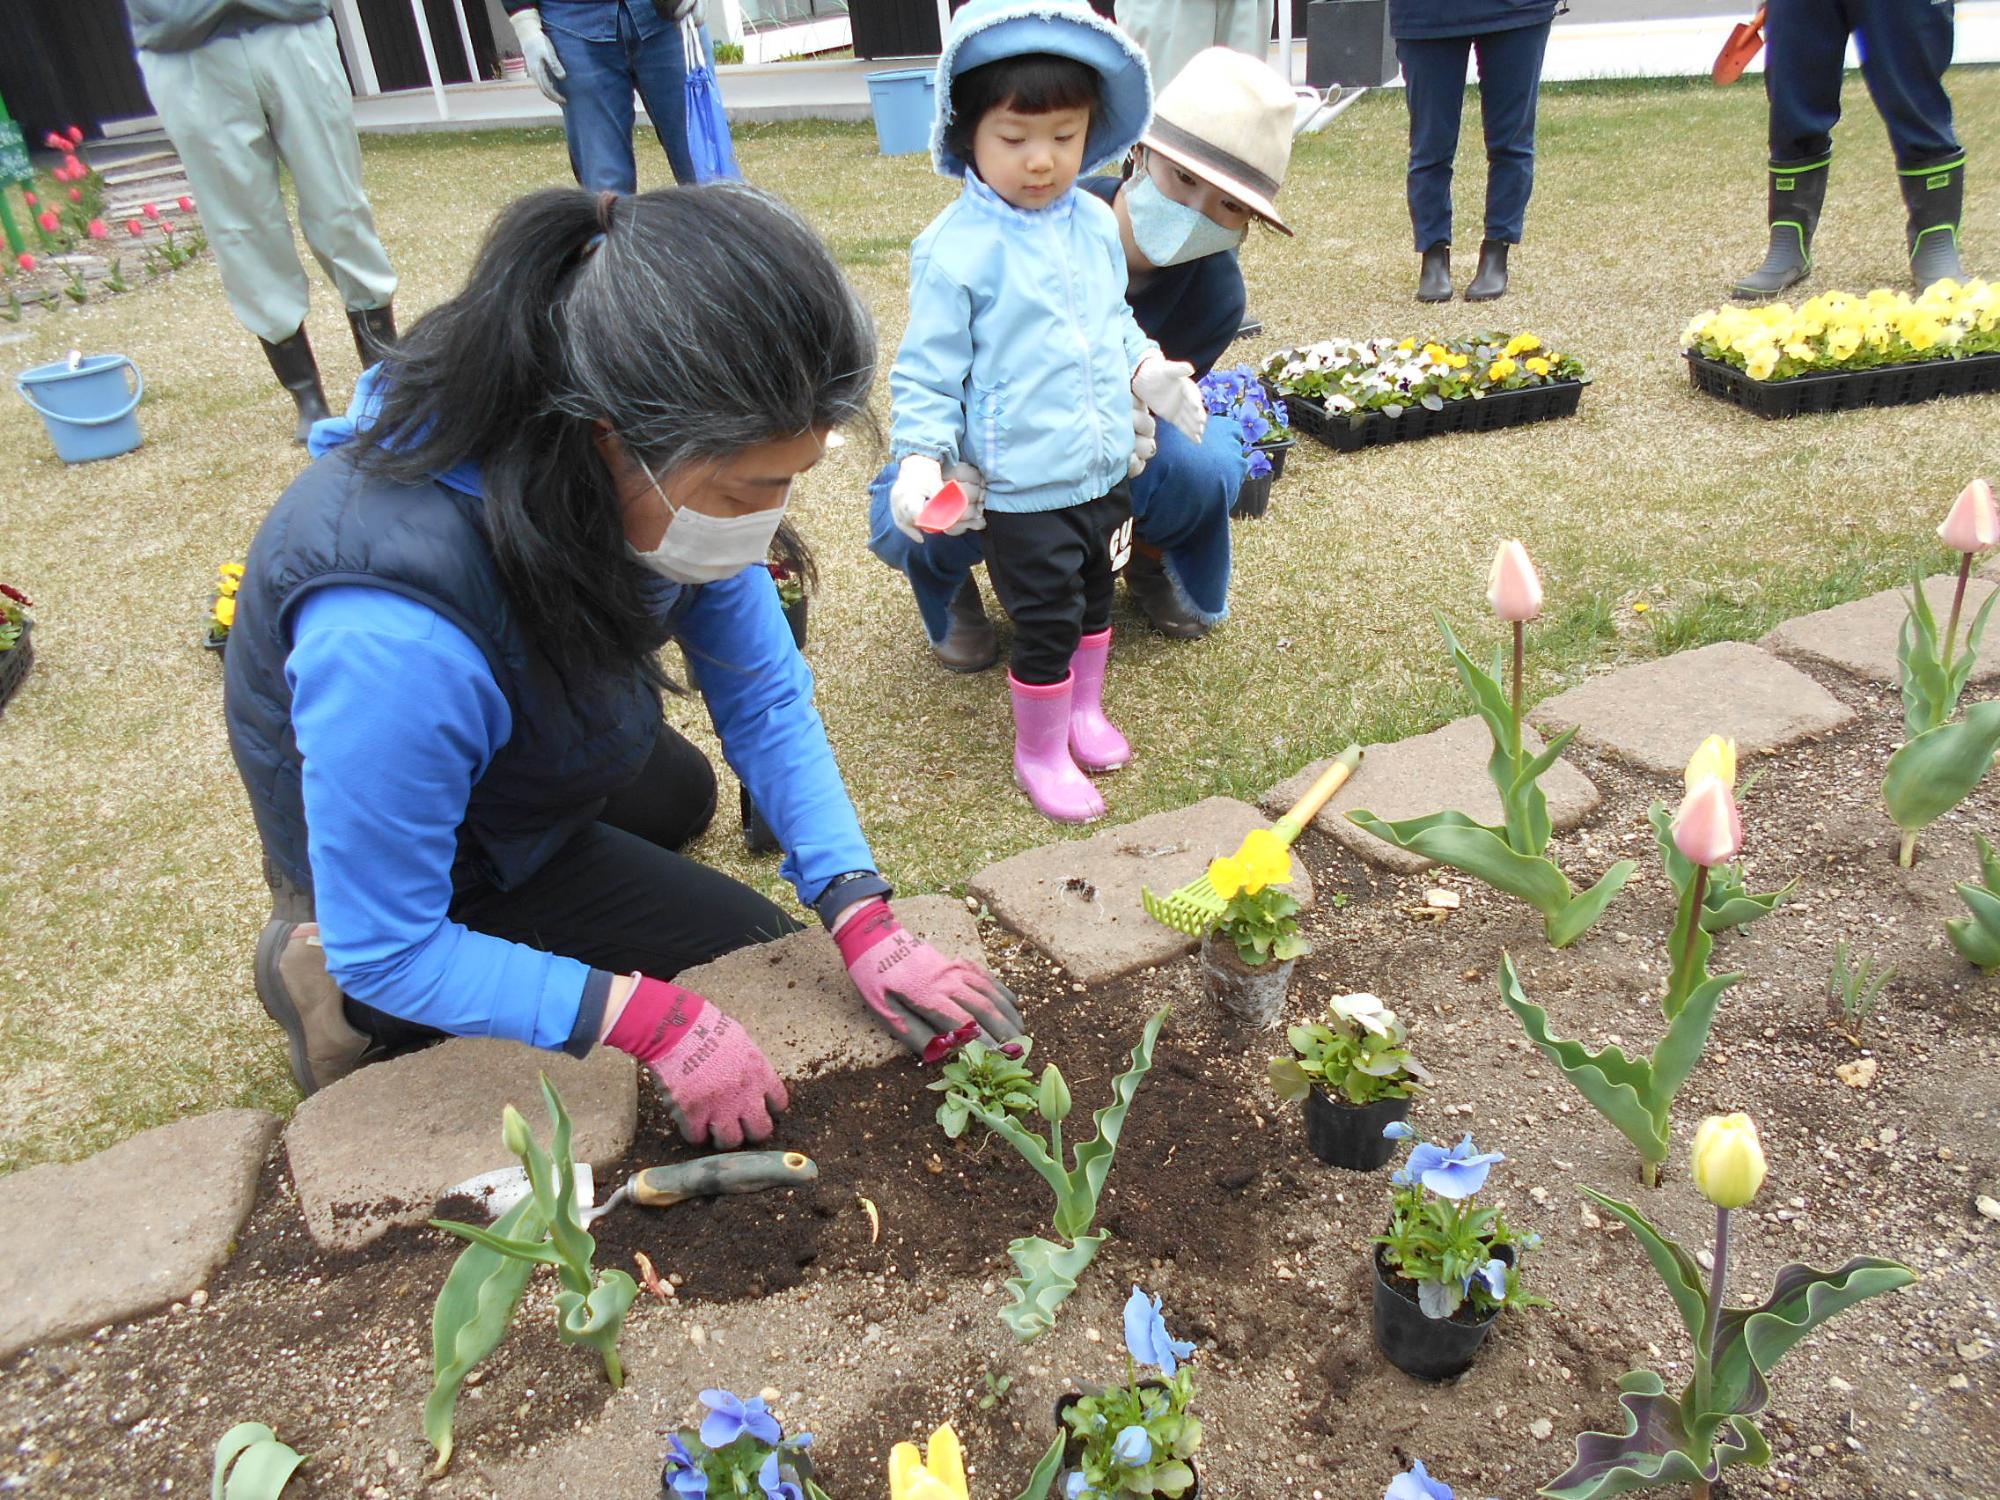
x: 597, y: 20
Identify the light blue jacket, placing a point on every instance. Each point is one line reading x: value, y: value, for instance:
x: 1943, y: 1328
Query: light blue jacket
x: 1020, y: 349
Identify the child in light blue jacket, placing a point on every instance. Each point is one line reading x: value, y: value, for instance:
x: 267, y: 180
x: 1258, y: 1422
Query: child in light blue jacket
x: 1022, y: 362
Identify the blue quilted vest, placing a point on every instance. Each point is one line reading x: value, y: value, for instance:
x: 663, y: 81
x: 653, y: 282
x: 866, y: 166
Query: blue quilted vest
x: 573, y: 742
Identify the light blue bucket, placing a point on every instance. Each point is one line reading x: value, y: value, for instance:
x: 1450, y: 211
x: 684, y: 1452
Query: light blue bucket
x: 905, y: 102
x: 89, y: 411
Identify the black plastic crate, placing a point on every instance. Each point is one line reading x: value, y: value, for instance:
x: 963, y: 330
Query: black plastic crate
x: 14, y: 663
x: 1845, y: 390
x: 1350, y: 432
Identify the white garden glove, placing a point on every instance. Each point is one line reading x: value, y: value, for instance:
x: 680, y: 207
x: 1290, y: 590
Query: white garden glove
x: 974, y: 484
x: 539, y: 53
x: 918, y: 479
x: 1167, y: 388
x: 1145, y: 439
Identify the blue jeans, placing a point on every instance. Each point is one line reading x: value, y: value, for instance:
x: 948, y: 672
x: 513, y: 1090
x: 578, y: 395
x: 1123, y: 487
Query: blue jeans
x: 608, y: 48
x: 1510, y: 79
x: 1905, y: 46
x: 1180, y: 504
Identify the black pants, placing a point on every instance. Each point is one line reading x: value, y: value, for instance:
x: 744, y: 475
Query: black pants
x: 1054, y: 571
x: 1905, y: 47
x: 618, y: 896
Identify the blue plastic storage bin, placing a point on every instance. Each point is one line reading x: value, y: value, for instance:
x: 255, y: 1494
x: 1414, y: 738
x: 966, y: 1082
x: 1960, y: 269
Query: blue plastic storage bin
x: 905, y: 103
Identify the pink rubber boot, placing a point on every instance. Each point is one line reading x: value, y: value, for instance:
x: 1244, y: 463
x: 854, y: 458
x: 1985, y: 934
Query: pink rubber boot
x: 1093, y: 739
x: 1042, y: 764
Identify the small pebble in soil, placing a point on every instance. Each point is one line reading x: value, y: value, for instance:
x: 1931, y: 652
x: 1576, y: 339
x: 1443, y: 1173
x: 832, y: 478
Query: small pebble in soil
x: 1541, y: 1429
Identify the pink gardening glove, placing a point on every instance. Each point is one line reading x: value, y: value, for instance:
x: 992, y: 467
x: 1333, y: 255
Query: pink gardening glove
x: 722, y: 1090
x: 929, y: 1003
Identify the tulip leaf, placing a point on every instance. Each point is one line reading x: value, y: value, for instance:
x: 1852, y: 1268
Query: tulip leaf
x: 1920, y: 656
x: 1678, y: 1270
x: 1581, y: 914
x: 1936, y: 771
x: 1044, y: 1478
x: 1751, y: 1340
x: 596, y: 1321
x: 251, y: 1464
x: 1452, y: 838
x: 1619, y: 1087
x: 1655, y: 1448
x: 1728, y: 902
x: 1093, y: 1157
x: 473, y: 1310
x: 1977, y: 937
x: 1049, y: 1273
x: 1678, y: 1052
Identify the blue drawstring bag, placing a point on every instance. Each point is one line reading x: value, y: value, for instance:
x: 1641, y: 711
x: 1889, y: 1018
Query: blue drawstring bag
x: 709, y: 145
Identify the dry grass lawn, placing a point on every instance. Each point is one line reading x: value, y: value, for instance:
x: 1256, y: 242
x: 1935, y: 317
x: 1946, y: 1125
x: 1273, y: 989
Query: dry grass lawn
x: 130, y: 893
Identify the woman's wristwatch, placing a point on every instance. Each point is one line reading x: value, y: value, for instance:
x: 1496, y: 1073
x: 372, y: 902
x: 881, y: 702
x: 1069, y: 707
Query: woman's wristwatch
x: 844, y: 891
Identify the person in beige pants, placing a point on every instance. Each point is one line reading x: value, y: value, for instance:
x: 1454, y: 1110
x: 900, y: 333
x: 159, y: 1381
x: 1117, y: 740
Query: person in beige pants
x: 1170, y: 32
x: 241, y: 86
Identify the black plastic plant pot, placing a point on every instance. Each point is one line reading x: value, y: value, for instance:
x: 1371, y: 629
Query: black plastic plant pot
x: 757, y: 835
x: 1253, y: 499
x: 1428, y: 1348
x: 1350, y: 1135
x: 15, y: 661
x: 1073, y: 1449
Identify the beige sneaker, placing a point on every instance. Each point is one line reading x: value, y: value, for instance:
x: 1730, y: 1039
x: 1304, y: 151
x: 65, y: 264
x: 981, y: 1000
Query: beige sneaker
x: 302, y: 997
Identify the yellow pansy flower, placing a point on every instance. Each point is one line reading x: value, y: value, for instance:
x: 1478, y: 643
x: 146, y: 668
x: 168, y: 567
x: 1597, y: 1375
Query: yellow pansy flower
x: 1540, y: 366
x: 1263, y: 860
x: 1227, y: 875
x: 225, y: 611
x: 1501, y: 368
x: 941, y: 1477
x: 1801, y: 352
x: 1459, y: 361
x: 1843, y: 341
x: 1522, y: 343
x: 1760, y: 362
x: 1407, y: 345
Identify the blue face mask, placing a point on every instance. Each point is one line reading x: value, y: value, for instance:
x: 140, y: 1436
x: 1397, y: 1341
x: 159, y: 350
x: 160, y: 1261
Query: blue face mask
x: 1169, y: 233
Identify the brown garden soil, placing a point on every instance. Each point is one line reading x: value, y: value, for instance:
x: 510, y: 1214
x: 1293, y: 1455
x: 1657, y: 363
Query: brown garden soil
x: 1260, y: 1253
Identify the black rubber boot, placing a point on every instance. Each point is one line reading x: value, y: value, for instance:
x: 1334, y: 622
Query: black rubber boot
x: 1249, y: 328
x: 1798, y: 189
x: 374, y: 332
x: 1935, y: 197
x: 1489, y: 282
x: 293, y: 363
x: 969, y: 644
x: 1434, y: 281
x: 1154, y: 593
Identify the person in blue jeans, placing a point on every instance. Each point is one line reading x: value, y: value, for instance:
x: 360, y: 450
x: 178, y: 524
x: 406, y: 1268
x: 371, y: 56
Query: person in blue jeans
x: 1210, y: 164
x: 1905, y: 46
x: 589, y: 56
x: 1434, y: 39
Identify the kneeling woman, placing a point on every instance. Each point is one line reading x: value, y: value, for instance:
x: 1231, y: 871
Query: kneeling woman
x: 444, y: 688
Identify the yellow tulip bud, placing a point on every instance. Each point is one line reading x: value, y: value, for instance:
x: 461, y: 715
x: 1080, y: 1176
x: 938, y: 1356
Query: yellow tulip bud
x: 1715, y: 757
x: 1728, y: 1160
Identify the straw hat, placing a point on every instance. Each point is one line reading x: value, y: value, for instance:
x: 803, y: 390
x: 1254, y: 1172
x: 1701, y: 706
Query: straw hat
x: 1228, y: 118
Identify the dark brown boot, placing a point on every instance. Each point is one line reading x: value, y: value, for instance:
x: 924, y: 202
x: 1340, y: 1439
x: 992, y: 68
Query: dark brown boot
x: 1154, y: 593
x: 374, y: 332
x: 969, y: 644
x: 298, y: 372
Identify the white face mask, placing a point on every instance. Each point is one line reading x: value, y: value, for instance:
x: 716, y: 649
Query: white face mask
x: 699, y: 548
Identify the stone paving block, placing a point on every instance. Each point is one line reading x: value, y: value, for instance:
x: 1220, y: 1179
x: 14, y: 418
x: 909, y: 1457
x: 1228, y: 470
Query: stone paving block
x: 1442, y: 771
x: 378, y: 1148
x: 1654, y: 714
x: 795, y: 998
x: 128, y: 1230
x: 1861, y: 637
x: 1078, y: 901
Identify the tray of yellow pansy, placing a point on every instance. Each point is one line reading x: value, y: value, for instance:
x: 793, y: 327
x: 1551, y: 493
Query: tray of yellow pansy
x: 222, y: 607
x: 1352, y: 394
x: 1841, y: 352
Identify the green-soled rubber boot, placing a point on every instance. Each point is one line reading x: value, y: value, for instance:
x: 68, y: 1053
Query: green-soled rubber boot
x: 1798, y: 189
x: 1935, y: 198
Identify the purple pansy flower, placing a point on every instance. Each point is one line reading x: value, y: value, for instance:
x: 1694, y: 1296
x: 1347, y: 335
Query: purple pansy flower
x: 1146, y: 1335
x: 729, y: 1417
x: 1417, y: 1485
x: 775, y: 1487
x: 682, y: 1475
x: 1457, y: 1173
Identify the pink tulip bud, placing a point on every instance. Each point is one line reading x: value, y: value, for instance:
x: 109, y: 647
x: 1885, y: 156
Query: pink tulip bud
x: 1708, y: 829
x: 30, y: 199
x: 135, y: 227
x: 49, y: 221
x: 150, y: 210
x: 1972, y: 524
x: 55, y: 142
x: 185, y: 205
x: 99, y: 230
x: 25, y: 262
x: 1512, y: 587
x: 76, y: 195
x: 76, y: 134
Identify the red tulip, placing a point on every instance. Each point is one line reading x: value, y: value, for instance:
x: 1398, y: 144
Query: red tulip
x: 186, y: 205
x: 26, y: 262
x: 55, y: 142
x: 135, y: 227
x: 76, y: 134
x: 150, y: 210
x: 30, y: 199
x: 99, y: 230
x: 76, y: 195
x: 49, y: 221
x: 168, y: 225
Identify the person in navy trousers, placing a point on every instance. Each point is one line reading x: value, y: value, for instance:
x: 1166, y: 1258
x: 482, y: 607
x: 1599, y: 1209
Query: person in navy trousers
x: 1434, y: 39
x: 1905, y: 46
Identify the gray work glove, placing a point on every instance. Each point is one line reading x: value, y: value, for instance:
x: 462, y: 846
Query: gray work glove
x: 539, y: 53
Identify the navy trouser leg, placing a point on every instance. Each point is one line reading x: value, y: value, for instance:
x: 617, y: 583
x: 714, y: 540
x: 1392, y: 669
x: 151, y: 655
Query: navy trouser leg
x: 1510, y: 84
x: 1806, y: 42
x: 1905, y: 47
x: 597, y: 111
x: 1434, y: 91
x: 659, y: 68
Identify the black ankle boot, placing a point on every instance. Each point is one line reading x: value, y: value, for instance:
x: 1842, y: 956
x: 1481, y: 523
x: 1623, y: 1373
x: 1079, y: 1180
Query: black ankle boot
x: 1935, y: 197
x: 969, y: 644
x: 1798, y: 190
x: 298, y: 372
x: 374, y: 331
x: 1434, y: 281
x: 1490, y: 280
x: 1153, y: 592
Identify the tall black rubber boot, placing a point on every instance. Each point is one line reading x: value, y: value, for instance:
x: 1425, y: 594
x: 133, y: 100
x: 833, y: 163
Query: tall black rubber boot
x: 1935, y: 197
x: 1798, y: 189
x: 298, y: 372
x: 1434, y: 280
x: 1489, y: 282
x: 374, y: 331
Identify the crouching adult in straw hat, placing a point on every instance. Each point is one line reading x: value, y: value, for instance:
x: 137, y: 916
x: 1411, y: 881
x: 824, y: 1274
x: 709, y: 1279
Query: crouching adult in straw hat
x: 1209, y: 166
x: 444, y: 687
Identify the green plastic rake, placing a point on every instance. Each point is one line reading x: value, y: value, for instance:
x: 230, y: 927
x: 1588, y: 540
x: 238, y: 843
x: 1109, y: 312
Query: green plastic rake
x: 1195, y: 908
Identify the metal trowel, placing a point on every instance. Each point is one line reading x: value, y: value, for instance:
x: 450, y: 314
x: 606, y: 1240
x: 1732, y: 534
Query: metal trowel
x: 653, y: 1187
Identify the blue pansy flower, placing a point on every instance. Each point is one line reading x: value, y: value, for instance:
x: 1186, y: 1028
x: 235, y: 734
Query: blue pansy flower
x: 1399, y: 1130
x: 1134, y: 1447
x: 1417, y: 1485
x: 774, y: 1487
x: 1494, y: 1274
x: 1457, y: 1173
x: 1078, y: 1488
x: 729, y: 1417
x: 1146, y: 1335
x: 682, y: 1475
